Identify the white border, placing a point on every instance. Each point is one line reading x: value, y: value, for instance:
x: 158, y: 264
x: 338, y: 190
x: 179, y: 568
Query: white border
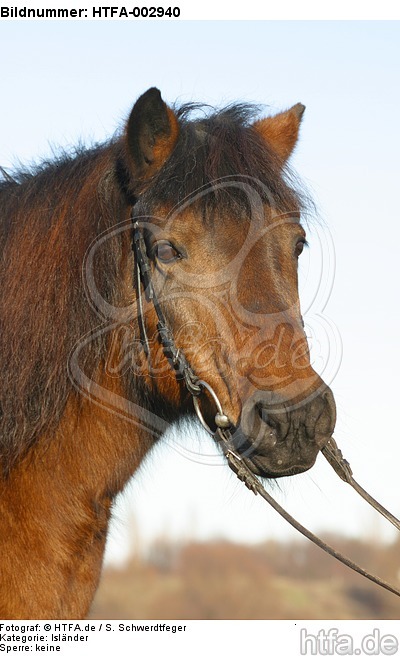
x: 223, y: 10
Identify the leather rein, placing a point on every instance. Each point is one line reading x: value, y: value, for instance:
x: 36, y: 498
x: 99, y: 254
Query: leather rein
x: 223, y: 432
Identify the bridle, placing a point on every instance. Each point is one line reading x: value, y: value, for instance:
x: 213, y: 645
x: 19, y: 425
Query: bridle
x: 224, y: 431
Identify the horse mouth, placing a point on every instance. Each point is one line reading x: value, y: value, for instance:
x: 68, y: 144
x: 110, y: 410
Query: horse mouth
x: 277, y: 443
x: 273, y: 459
x: 291, y: 457
x: 277, y: 440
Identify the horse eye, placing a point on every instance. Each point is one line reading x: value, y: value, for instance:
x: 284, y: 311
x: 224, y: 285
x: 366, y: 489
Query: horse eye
x: 300, y: 246
x: 166, y: 252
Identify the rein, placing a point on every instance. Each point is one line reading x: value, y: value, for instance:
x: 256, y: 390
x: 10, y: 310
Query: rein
x: 223, y: 433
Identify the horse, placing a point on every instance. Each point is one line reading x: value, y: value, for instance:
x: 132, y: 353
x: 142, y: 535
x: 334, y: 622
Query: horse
x: 87, y: 384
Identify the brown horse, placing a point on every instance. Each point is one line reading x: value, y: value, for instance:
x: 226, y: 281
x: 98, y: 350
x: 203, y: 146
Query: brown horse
x: 86, y: 388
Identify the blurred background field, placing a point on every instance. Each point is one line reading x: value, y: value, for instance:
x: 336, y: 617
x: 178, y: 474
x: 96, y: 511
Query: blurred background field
x: 226, y: 580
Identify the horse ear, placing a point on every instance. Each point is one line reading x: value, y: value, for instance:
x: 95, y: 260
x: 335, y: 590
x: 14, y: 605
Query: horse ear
x: 282, y: 131
x: 151, y: 135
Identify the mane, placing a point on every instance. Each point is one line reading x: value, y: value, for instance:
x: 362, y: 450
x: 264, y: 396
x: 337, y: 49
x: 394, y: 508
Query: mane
x: 49, y: 216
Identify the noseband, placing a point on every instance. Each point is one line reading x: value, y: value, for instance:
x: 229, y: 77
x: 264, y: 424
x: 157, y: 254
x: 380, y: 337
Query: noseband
x: 224, y: 429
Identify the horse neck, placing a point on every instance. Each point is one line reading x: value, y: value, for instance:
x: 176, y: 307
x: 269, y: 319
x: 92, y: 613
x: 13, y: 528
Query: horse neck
x: 80, y: 445
x: 48, y: 223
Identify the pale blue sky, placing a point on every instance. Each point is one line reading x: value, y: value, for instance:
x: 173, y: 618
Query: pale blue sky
x: 61, y: 82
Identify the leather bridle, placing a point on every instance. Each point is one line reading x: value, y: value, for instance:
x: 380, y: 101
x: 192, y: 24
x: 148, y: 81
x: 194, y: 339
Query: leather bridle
x: 224, y: 430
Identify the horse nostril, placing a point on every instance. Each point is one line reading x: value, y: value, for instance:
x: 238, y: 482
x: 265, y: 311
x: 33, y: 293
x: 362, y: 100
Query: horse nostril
x: 262, y: 413
x: 270, y: 437
x: 264, y: 416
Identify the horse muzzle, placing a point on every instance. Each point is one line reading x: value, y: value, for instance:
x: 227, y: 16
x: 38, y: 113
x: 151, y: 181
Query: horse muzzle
x: 278, y: 438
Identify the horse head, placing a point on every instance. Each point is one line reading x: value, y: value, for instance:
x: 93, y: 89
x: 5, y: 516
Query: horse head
x: 223, y: 233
